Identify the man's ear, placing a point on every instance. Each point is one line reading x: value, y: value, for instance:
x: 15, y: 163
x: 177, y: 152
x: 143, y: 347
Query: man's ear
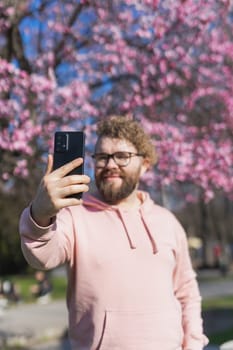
x: 145, y: 165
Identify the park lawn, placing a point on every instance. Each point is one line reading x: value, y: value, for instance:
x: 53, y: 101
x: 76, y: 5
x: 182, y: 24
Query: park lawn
x: 225, y: 302
x: 222, y: 337
x: 24, y: 282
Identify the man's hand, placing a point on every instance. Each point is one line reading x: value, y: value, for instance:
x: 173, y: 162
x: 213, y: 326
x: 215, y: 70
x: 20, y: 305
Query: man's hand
x: 55, y: 186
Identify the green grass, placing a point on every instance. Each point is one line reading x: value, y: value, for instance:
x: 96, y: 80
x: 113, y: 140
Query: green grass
x: 59, y: 287
x: 24, y: 283
x: 225, y: 302
x: 219, y: 303
x: 220, y: 338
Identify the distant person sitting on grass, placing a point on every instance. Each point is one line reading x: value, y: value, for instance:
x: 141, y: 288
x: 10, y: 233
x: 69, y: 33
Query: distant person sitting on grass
x: 9, y: 291
x: 3, y: 300
x: 42, y: 290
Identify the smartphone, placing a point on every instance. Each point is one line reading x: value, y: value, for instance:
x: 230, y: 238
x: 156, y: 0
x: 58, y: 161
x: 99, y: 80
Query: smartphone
x: 69, y: 145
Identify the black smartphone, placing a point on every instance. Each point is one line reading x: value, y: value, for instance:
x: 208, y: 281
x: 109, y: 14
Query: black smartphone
x: 69, y: 145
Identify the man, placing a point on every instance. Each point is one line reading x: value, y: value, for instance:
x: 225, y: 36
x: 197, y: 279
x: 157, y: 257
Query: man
x: 131, y: 285
x: 42, y: 289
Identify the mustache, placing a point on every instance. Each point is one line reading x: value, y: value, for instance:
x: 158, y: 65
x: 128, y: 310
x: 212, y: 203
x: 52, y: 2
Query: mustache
x: 112, y: 173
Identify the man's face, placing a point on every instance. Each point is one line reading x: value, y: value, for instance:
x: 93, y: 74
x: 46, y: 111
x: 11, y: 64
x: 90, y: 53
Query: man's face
x: 115, y: 182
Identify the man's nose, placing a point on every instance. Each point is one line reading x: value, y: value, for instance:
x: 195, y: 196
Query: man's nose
x: 111, y: 163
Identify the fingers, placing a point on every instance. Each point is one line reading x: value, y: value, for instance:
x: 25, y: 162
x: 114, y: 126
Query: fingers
x: 67, y: 168
x: 71, y: 185
x: 72, y: 190
x: 54, y: 189
x: 63, y: 170
x: 49, y: 164
x: 74, y: 179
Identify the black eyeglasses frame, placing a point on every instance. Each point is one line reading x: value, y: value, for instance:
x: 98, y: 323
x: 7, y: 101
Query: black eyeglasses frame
x: 108, y: 156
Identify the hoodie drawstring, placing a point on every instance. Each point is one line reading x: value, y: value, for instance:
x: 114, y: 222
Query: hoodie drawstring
x: 153, y: 243
x: 151, y: 238
x: 132, y: 246
x: 95, y: 204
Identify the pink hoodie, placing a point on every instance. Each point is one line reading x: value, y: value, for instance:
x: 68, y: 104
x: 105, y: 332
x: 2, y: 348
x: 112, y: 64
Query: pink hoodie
x: 131, y: 285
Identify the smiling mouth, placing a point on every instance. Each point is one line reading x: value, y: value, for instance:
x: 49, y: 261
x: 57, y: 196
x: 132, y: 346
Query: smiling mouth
x: 109, y: 177
x: 113, y: 176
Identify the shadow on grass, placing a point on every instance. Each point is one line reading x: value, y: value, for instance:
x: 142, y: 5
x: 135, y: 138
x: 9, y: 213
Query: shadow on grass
x: 218, y: 325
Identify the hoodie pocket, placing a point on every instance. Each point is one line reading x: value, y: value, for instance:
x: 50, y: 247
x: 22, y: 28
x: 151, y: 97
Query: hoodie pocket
x: 141, y: 331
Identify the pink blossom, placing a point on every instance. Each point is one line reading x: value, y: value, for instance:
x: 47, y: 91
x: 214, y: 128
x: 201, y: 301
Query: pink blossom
x: 168, y: 63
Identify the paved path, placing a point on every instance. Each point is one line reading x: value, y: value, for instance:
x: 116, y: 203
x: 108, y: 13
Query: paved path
x: 213, y: 289
x: 28, y: 324
x: 44, y: 327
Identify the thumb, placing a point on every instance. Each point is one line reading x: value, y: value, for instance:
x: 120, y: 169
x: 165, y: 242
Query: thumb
x: 49, y: 164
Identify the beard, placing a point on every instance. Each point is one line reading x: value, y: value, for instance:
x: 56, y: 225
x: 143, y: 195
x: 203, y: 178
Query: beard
x: 113, y: 194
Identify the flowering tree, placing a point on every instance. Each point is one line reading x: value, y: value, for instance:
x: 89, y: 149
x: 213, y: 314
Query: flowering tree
x: 168, y: 63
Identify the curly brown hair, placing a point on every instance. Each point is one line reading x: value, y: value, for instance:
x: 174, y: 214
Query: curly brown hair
x: 121, y: 127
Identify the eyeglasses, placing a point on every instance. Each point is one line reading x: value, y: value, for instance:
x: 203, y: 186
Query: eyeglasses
x: 120, y: 158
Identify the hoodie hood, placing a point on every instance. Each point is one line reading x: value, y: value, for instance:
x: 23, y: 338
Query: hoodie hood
x: 91, y: 202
